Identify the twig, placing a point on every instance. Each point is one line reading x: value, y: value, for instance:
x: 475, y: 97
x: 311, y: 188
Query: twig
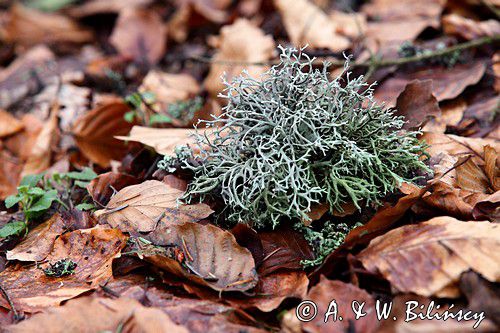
x: 491, y: 7
x: 11, y: 304
x: 371, y: 62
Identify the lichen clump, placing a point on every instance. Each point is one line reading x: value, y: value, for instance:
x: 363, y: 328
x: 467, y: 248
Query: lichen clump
x: 296, y: 138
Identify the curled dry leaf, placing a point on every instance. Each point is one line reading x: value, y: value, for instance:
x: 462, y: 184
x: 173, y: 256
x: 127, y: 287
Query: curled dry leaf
x: 454, y: 24
x: 417, y: 104
x: 39, y: 242
x: 451, y: 114
x: 488, y: 208
x: 95, y: 131
x: 447, y: 83
x: 107, y: 315
x: 162, y: 140
x: 93, y: 250
x: 102, y: 188
x: 140, y: 34
x: 9, y: 124
x: 307, y: 24
x: 243, y: 42
x: 28, y: 27
x: 212, y: 255
x: 170, y: 88
x: 139, y: 208
x: 343, y: 294
x: 428, y: 258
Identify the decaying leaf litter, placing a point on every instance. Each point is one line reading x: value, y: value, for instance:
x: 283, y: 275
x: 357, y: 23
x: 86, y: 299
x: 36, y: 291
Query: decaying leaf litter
x: 99, y: 219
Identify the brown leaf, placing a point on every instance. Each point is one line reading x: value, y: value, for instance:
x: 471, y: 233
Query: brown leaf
x: 247, y: 237
x: 307, y: 24
x: 96, y: 314
x: 92, y: 250
x: 95, y: 131
x: 9, y: 124
x: 10, y: 174
x: 21, y: 143
x: 140, y: 34
x: 169, y: 88
x: 343, y: 294
x: 447, y: 83
x: 488, y: 208
x: 140, y: 207
x: 468, y: 29
x: 212, y: 255
x: 28, y: 27
x: 163, y: 140
x: 351, y: 25
x: 491, y: 168
x: 243, y: 42
x: 95, y: 7
x: 470, y: 176
x: 39, y: 242
x: 482, y: 295
x: 428, y: 258
x: 40, y: 157
x: 102, y: 188
x: 417, y: 104
x: 284, y: 248
x: 451, y: 114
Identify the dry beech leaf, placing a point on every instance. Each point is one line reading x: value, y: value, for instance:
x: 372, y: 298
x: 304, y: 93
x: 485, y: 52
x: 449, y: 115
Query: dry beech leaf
x: 488, y: 208
x: 95, y: 131
x: 162, y: 140
x: 447, y: 83
x: 307, y: 24
x: 454, y: 24
x: 94, y: 7
x: 417, y: 104
x: 471, y: 177
x: 140, y: 34
x: 170, y: 88
x: 40, y: 157
x: 102, y: 188
x: 9, y: 124
x: 351, y: 25
x: 428, y: 258
x: 344, y: 294
x: 212, y: 255
x: 39, y: 242
x: 491, y: 167
x: 99, y: 314
x: 451, y: 114
x: 243, y: 42
x: 93, y: 250
x: 140, y: 207
x: 10, y: 174
x: 28, y: 27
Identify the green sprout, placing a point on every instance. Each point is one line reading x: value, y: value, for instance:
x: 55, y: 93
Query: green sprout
x: 61, y: 268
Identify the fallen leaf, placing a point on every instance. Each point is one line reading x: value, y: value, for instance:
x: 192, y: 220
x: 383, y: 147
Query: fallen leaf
x: 428, y: 258
x: 169, y: 88
x: 21, y: 143
x: 9, y: 124
x: 351, y: 25
x: 162, y: 140
x: 284, y: 248
x: 468, y: 29
x: 140, y: 34
x: 102, y: 188
x: 29, y: 27
x: 447, y: 83
x: 39, y: 242
x: 451, y: 114
x: 471, y: 177
x: 249, y: 238
x: 95, y: 131
x: 93, y: 250
x: 140, y: 207
x: 108, y: 315
x: 307, y: 24
x: 491, y: 169
x: 40, y: 157
x: 94, y: 7
x: 488, y: 208
x: 482, y: 295
x: 10, y: 174
x: 212, y: 255
x: 328, y: 291
x: 240, y: 42
x: 417, y: 104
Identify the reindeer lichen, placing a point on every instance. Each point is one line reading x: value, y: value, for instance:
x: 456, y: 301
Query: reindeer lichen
x: 296, y: 138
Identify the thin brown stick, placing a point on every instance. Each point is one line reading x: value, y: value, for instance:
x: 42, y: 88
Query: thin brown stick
x: 11, y: 304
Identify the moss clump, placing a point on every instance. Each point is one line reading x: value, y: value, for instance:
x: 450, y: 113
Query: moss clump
x: 296, y: 138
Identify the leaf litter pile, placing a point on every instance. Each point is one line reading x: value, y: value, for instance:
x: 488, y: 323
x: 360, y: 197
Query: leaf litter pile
x: 116, y: 217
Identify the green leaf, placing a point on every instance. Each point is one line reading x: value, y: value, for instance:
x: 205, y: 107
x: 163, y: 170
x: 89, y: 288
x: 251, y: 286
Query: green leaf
x: 11, y: 200
x: 35, y: 191
x: 149, y: 96
x: 12, y: 228
x: 159, y: 118
x: 31, y: 180
x: 129, y: 116
x: 81, y: 184
x: 43, y: 203
x: 49, y: 5
x: 85, y: 174
x: 85, y: 206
